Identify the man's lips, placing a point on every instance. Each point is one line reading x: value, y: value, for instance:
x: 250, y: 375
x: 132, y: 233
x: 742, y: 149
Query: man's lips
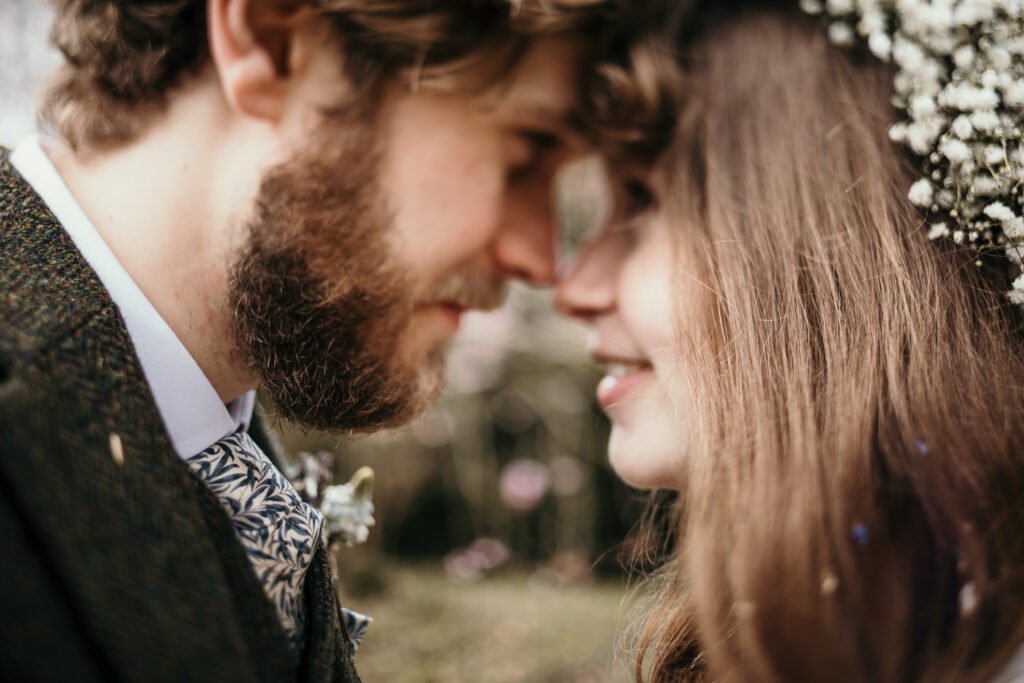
x: 623, y: 376
x: 449, y: 310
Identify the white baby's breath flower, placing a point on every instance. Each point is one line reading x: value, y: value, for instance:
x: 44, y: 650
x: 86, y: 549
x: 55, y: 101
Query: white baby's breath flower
x: 1013, y: 94
x: 1016, y: 293
x: 811, y: 6
x: 959, y: 80
x: 872, y: 23
x: 955, y: 150
x: 943, y: 44
x: 1012, y: 250
x: 969, y: 98
x: 1014, y: 228
x: 921, y: 193
x: 985, y: 186
x: 938, y: 230
x: 963, y: 56
x: 937, y: 17
x: 922, y: 106
x: 985, y: 121
x: 998, y: 211
x: 971, y: 12
x: 962, y: 127
x: 840, y: 33
x: 921, y: 137
x: 904, y: 83
x: 1000, y: 58
x: 839, y: 6
x: 994, y: 154
x: 898, y: 132
x: 880, y: 45
x: 912, y: 15
x: 930, y: 77
x: 907, y: 55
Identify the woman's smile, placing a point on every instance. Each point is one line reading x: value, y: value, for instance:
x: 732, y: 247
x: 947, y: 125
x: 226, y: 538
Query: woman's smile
x: 622, y: 378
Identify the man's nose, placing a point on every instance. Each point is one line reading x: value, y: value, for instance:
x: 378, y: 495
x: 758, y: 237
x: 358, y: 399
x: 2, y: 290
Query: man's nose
x: 524, y: 247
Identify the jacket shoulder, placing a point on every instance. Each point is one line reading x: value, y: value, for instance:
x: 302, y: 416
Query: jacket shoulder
x: 47, y: 289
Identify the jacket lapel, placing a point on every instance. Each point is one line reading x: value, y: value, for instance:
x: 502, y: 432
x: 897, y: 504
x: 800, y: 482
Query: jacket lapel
x: 139, y: 548
x: 326, y: 658
x: 326, y: 655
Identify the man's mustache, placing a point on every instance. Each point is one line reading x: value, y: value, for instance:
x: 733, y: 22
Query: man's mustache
x: 472, y: 289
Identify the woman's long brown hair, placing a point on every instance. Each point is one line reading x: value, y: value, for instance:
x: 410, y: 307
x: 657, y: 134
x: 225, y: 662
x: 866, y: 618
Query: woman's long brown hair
x: 854, y: 498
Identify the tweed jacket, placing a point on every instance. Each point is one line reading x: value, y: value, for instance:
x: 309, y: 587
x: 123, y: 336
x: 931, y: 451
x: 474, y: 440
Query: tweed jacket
x: 116, y: 563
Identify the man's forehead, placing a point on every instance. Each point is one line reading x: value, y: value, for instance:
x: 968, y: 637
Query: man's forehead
x: 543, y: 90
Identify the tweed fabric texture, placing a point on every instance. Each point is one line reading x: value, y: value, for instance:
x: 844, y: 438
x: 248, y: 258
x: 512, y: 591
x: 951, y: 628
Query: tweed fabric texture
x: 118, y: 563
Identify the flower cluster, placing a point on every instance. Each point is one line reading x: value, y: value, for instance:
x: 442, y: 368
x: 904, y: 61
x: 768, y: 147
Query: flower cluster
x: 960, y: 81
x: 311, y: 475
x: 347, y: 508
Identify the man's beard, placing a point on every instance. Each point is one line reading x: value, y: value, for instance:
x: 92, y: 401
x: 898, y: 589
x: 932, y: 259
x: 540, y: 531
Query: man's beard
x: 318, y: 300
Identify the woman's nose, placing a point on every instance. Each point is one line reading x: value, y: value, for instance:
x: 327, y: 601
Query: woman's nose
x: 588, y: 289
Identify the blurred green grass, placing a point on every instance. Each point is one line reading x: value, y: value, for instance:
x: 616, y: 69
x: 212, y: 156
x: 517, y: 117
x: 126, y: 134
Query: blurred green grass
x: 508, y: 628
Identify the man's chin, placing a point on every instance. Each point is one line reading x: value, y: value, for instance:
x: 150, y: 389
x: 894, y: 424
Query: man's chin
x: 383, y: 403
x: 430, y: 387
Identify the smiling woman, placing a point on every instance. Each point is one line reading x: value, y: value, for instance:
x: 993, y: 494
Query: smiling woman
x: 837, y: 398
x: 623, y: 284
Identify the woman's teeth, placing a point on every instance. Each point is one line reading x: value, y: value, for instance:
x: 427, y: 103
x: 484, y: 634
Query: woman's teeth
x: 618, y: 370
x: 622, y: 377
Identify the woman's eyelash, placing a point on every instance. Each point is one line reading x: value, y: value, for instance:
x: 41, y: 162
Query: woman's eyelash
x: 639, y: 198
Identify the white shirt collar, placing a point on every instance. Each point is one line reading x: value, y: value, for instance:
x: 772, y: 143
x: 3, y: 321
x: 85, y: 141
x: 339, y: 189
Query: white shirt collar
x: 192, y: 411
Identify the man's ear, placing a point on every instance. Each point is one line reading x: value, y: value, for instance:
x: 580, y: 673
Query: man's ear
x: 252, y: 47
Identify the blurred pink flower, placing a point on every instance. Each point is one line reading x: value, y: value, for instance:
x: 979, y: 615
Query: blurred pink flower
x: 470, y: 564
x: 464, y: 564
x: 524, y: 484
x: 568, y: 475
x: 496, y: 552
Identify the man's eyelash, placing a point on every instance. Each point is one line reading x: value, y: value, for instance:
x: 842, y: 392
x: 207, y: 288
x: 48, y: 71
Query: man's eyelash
x: 539, y: 140
x: 539, y: 143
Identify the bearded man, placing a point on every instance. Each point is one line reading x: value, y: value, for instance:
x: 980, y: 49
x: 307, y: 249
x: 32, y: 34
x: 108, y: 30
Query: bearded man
x: 303, y: 195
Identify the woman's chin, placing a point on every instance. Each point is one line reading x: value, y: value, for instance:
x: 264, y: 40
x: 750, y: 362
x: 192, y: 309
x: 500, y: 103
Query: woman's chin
x: 645, y: 460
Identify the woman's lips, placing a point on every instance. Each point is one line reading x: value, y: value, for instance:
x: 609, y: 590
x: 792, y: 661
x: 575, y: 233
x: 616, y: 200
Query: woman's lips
x: 622, y: 378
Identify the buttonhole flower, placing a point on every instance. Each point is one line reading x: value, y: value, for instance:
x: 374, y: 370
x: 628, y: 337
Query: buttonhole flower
x: 348, y: 508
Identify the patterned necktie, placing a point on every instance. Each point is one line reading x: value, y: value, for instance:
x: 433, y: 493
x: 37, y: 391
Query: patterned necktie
x: 278, y: 529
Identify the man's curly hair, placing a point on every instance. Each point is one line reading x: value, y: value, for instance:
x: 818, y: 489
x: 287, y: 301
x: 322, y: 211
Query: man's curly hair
x: 125, y: 57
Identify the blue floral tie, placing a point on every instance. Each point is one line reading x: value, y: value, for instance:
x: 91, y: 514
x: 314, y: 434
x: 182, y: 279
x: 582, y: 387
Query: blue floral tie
x: 278, y: 529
